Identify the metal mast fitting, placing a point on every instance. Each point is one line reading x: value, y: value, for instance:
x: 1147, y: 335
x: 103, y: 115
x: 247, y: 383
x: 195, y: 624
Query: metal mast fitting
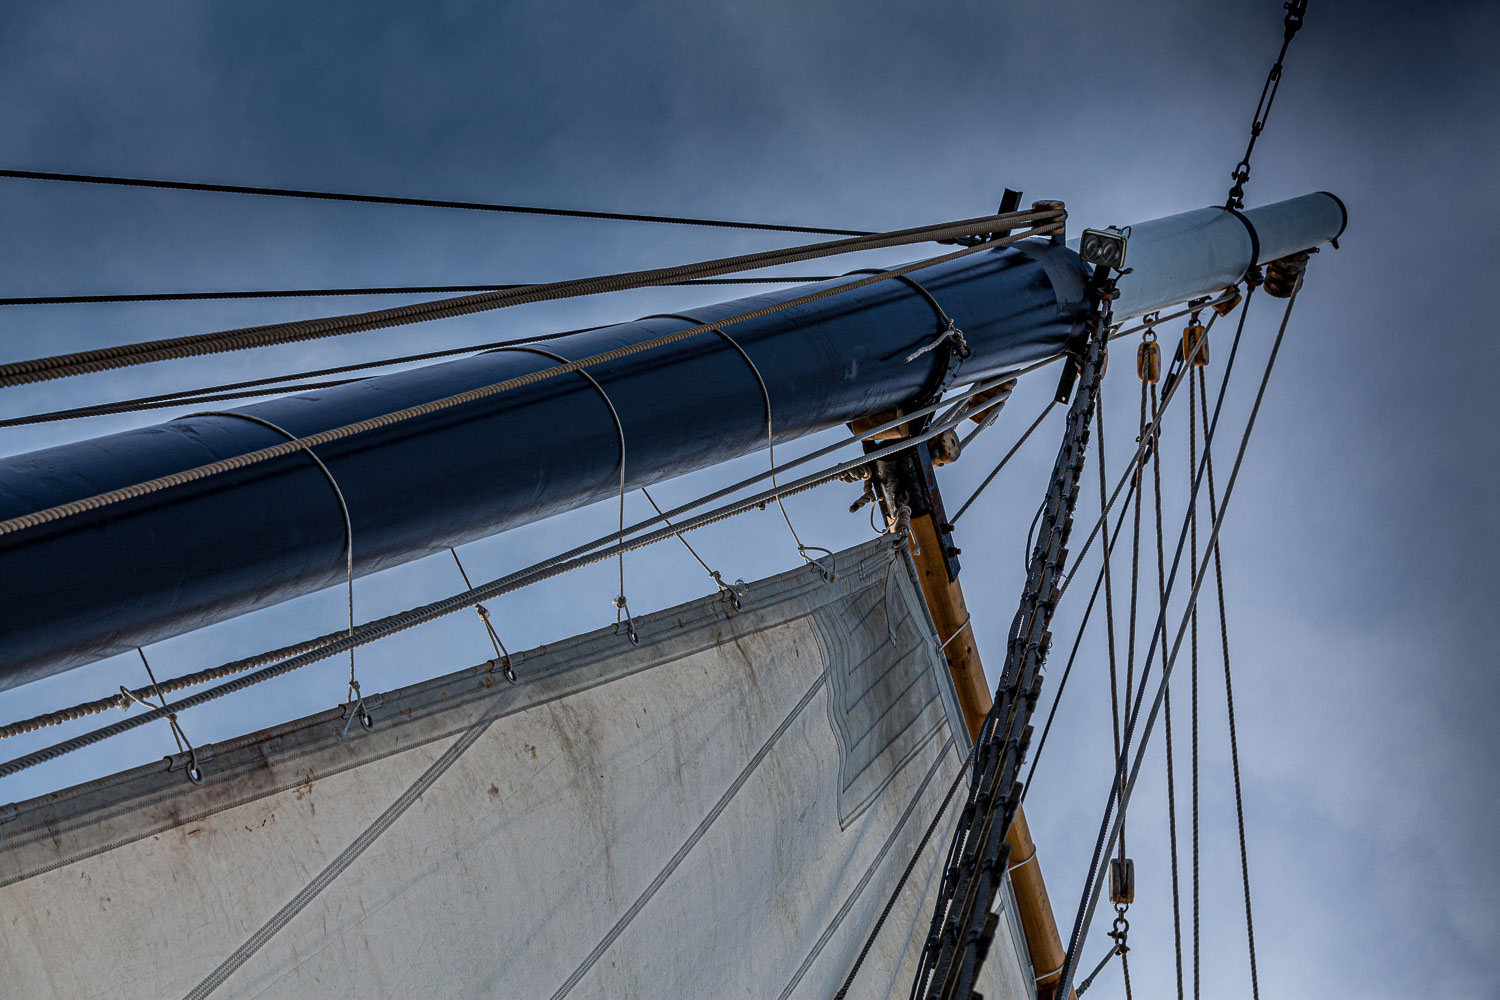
x: 138, y: 571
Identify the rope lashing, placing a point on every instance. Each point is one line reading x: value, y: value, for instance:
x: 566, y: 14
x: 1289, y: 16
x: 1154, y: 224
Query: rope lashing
x: 355, y: 702
x: 193, y: 771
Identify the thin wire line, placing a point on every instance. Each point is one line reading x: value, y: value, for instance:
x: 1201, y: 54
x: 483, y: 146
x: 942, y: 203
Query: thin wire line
x: 1106, y: 832
x: 309, y: 293
x: 1001, y: 464
x: 244, y: 338
x: 391, y: 625
x: 191, y: 397
x: 161, y: 697
x: 476, y: 206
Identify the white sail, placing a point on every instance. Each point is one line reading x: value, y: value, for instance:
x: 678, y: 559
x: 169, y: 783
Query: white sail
x: 722, y: 811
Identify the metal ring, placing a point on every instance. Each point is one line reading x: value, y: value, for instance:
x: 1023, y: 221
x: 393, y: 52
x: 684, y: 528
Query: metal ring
x: 195, y: 774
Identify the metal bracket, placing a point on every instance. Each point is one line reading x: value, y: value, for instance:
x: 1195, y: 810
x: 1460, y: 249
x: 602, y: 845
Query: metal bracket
x: 907, y: 479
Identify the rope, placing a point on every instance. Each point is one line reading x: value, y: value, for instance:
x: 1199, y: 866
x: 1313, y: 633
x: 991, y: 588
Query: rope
x: 1192, y: 520
x: 123, y: 700
x: 85, y: 709
x: 212, y: 393
x: 1109, y: 598
x: 730, y: 594
x: 373, y: 423
x: 1234, y: 747
x: 176, y: 736
x: 584, y: 555
x: 1001, y: 464
x: 1062, y: 684
x: 502, y: 655
x: 1161, y: 591
x: 1107, y: 832
x: 621, y: 606
x: 343, y: 510
x: 890, y: 903
x: 1154, y: 431
x: 765, y: 394
x: 375, y: 199
x: 1093, y: 883
x: 308, y: 293
x: 63, y: 365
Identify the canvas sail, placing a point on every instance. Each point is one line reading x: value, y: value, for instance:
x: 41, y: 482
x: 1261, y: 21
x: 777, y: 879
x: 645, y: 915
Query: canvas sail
x: 722, y: 811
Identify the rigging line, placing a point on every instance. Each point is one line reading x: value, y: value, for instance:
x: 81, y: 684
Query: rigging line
x: 1093, y: 882
x: 384, y: 420
x: 1001, y: 464
x: 343, y: 509
x: 1062, y: 684
x: 310, y: 293
x: 133, y: 406
x: 730, y: 593
x: 1199, y: 573
x: 770, y: 427
x: 197, y: 678
x: 101, y: 359
x: 186, y: 397
x: 1109, y: 596
x: 176, y: 738
x: 502, y: 655
x: 1161, y: 592
x: 124, y: 699
x: 621, y: 606
x: 890, y: 903
x: 1234, y: 749
x: 1192, y: 520
x: 1130, y: 467
x: 375, y: 199
x: 393, y: 624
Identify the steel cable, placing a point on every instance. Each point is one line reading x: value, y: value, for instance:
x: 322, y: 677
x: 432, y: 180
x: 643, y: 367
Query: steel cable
x: 1234, y: 745
x: 203, y: 394
x: 101, y: 359
x: 1108, y: 831
x: 577, y: 558
x: 240, y: 666
x: 423, y: 409
x: 376, y: 199
x: 313, y: 293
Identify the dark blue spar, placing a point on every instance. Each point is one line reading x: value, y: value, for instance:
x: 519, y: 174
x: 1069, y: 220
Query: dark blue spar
x: 100, y: 583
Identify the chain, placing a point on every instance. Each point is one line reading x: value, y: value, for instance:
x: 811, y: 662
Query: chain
x: 963, y: 923
x: 1295, y: 10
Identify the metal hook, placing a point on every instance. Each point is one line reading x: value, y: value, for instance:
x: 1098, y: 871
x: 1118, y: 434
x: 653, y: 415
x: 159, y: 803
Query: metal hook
x: 623, y: 609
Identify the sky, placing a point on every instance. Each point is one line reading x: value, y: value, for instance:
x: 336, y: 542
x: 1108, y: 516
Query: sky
x: 1360, y: 546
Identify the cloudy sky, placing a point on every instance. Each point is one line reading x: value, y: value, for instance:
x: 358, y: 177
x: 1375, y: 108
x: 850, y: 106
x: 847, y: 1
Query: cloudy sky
x: 1361, y: 544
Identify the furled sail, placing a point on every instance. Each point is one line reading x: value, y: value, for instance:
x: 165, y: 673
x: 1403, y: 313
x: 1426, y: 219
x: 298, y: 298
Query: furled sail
x: 723, y: 810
